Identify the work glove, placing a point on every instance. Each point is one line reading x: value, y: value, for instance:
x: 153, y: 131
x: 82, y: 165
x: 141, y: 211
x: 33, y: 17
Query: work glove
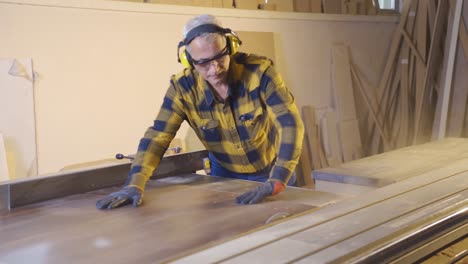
x: 127, y: 195
x: 256, y: 195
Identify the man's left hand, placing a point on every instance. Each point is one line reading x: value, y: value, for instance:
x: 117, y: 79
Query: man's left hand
x: 260, y: 192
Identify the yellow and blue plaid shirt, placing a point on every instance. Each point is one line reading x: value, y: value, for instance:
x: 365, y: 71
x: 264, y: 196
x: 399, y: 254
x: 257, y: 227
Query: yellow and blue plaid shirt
x: 256, y: 125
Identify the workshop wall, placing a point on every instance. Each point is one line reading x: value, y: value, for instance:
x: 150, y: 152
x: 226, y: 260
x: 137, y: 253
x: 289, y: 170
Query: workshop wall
x: 102, y: 67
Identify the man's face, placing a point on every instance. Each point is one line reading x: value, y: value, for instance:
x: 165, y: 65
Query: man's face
x: 210, y: 58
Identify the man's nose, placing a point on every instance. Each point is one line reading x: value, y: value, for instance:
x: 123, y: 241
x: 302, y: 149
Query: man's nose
x: 215, y: 65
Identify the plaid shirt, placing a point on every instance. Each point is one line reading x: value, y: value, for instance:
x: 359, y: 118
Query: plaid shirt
x: 256, y: 125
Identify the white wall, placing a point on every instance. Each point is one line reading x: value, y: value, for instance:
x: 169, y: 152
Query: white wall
x: 103, y: 66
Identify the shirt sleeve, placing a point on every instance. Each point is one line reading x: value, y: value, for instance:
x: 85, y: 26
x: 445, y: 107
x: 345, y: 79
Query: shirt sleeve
x: 281, y: 104
x: 157, y: 138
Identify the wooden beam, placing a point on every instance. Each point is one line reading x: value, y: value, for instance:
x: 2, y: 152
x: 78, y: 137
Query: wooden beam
x: 449, y: 72
x: 431, y: 66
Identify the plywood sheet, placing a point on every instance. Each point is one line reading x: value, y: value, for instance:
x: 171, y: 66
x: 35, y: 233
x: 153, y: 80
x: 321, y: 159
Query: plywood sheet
x: 17, y: 118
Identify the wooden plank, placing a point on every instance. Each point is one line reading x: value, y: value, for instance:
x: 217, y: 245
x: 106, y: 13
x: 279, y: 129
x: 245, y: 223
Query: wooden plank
x: 343, y: 85
x: 334, y: 155
x: 447, y: 86
x: 350, y: 140
x: 396, y: 165
x: 421, y: 67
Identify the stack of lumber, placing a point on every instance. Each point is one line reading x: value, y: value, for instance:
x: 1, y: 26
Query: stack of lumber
x: 417, y: 77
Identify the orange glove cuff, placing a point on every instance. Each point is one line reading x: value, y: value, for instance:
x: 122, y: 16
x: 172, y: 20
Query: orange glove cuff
x: 277, y: 188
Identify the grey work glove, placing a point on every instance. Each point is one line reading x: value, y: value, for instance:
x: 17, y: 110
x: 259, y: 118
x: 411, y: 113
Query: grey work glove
x: 127, y: 195
x: 260, y: 192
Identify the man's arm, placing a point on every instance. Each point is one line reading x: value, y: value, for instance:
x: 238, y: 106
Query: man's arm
x: 290, y: 127
x: 150, y: 151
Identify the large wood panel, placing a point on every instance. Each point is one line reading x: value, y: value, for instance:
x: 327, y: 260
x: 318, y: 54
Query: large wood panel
x: 393, y: 166
x: 179, y: 214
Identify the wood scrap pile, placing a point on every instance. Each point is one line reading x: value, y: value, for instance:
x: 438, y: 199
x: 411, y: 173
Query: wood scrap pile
x: 417, y: 77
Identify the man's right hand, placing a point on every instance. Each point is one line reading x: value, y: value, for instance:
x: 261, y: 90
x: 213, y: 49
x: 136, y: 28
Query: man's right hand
x: 127, y: 195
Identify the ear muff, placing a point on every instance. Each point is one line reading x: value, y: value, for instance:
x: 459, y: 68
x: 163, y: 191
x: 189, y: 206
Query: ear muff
x: 232, y: 41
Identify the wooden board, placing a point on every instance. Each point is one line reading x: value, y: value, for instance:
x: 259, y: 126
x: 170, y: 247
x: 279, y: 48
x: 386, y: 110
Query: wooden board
x: 179, y: 214
x: 397, y: 165
x: 4, y: 175
x: 17, y: 103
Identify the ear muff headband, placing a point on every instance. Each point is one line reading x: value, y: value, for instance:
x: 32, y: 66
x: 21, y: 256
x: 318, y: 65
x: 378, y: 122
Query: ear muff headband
x: 232, y: 41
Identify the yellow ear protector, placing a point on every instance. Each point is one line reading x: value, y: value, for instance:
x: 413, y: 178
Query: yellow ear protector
x: 232, y: 41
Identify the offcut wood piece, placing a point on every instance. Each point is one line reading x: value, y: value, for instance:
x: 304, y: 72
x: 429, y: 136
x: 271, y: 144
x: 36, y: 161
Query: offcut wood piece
x: 446, y: 89
x: 397, y: 165
x: 351, y: 7
x: 247, y: 4
x: 332, y: 6
x: 267, y: 6
x: 316, y: 6
x: 334, y: 155
x: 282, y: 5
x: 228, y: 3
x: 308, y: 114
x: 302, y: 6
x: 305, y: 177
x: 373, y: 7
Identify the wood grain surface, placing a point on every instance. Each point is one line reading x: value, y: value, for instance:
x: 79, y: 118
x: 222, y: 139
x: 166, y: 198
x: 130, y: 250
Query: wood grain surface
x: 179, y: 215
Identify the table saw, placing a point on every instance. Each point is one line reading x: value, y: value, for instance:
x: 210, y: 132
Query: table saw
x: 192, y: 218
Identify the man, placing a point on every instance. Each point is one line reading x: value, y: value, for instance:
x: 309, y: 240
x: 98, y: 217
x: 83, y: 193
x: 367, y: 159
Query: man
x: 238, y: 106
